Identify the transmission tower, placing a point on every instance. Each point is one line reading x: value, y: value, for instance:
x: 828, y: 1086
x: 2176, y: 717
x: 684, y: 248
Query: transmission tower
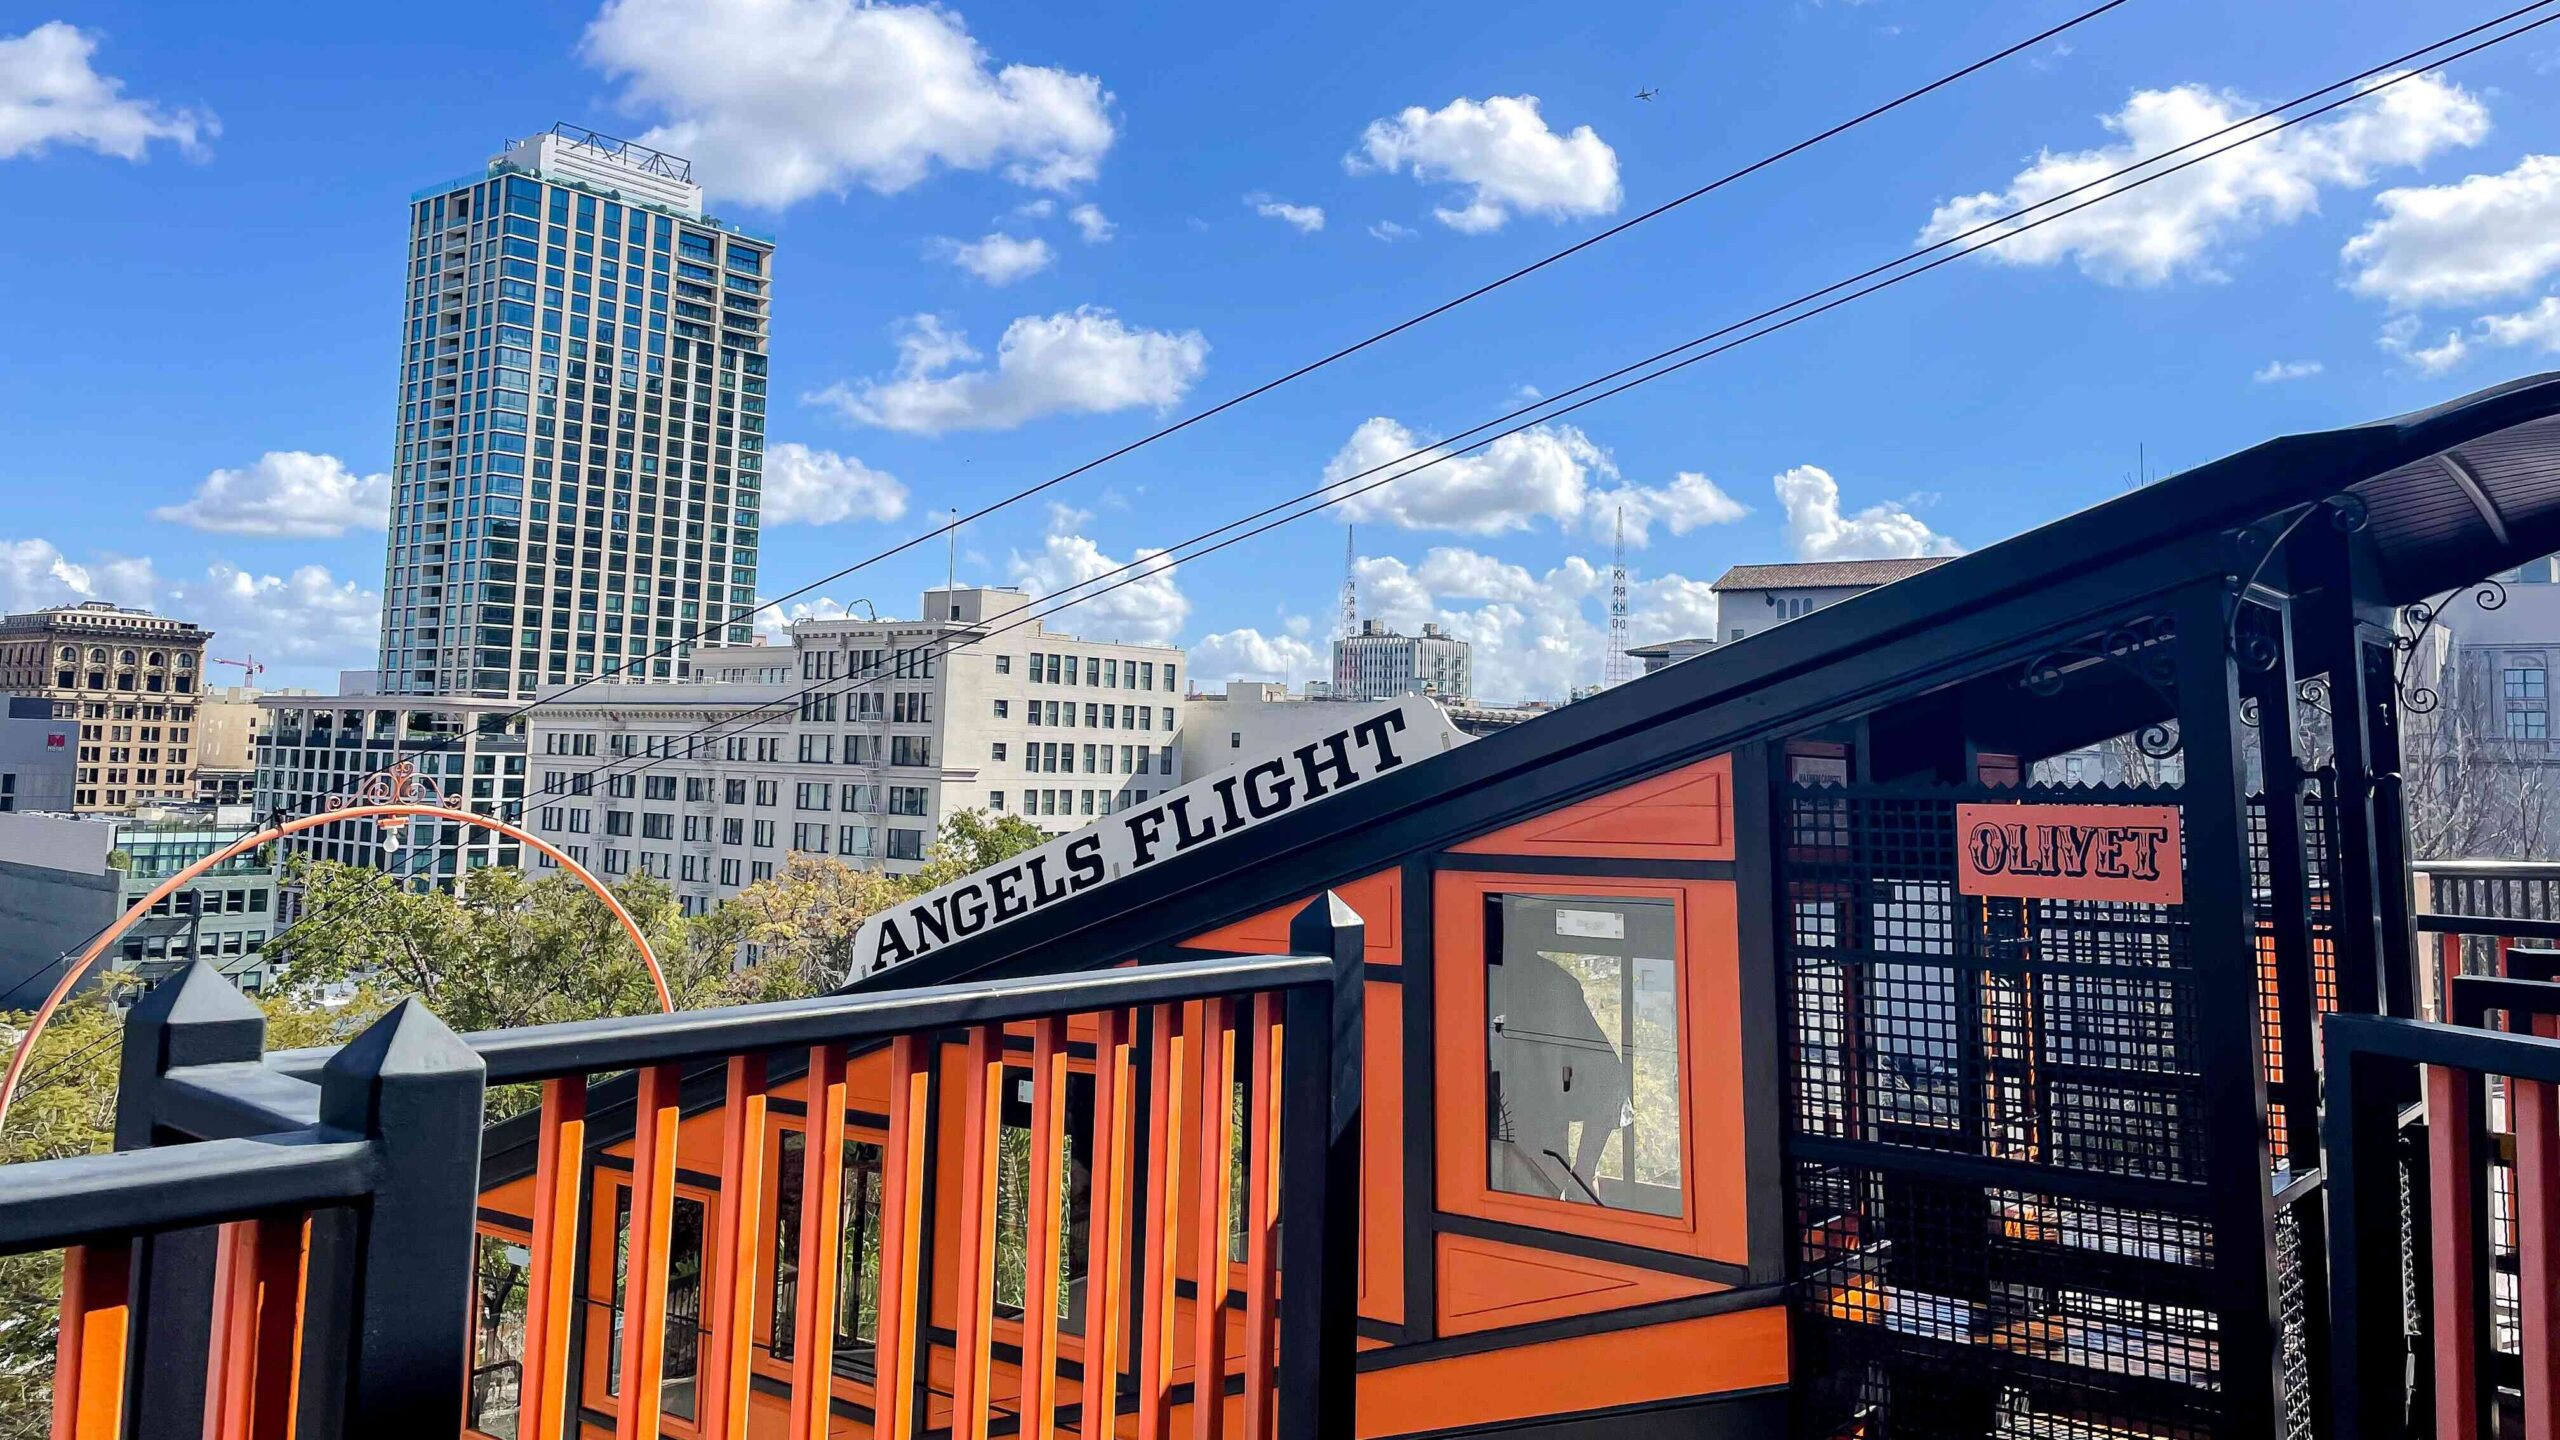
x: 1343, y: 665
x: 1619, y: 667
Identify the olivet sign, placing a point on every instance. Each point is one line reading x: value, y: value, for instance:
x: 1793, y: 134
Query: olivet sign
x: 1174, y: 823
x: 2071, y: 852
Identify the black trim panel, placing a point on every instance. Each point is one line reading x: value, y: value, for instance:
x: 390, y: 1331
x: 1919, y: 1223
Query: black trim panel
x: 1759, y: 1414
x: 1574, y: 1327
x: 1635, y: 1257
x: 1597, y: 866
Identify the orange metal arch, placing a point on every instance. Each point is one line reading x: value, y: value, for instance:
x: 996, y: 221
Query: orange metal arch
x: 403, y: 811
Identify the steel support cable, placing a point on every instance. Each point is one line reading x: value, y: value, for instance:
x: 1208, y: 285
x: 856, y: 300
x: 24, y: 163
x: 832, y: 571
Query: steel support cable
x: 1550, y: 407
x: 1345, y: 352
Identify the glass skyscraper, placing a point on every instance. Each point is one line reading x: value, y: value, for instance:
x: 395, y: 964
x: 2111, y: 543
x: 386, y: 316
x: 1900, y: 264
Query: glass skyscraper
x: 581, y: 423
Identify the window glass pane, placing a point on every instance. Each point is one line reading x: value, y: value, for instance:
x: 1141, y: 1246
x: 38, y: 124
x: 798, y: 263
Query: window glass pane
x: 1072, y: 1205
x: 682, y: 1362
x: 497, y: 1356
x: 1582, y: 1010
x: 858, y: 1257
x: 621, y: 1273
x: 786, y: 1243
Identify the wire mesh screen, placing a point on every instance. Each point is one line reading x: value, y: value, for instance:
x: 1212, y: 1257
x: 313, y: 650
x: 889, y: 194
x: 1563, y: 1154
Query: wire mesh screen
x: 1998, y: 1138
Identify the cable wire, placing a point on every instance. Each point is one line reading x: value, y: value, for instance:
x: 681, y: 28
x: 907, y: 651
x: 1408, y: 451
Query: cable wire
x: 1346, y: 351
x: 1334, y: 493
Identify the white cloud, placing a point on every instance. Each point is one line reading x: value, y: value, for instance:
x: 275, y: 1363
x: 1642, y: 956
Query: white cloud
x: 998, y: 259
x: 774, y: 621
x: 820, y: 487
x: 1145, y: 608
x: 2400, y: 338
x: 307, y: 619
x: 290, y: 493
x: 2277, y: 371
x: 1390, y: 231
x: 1307, y: 218
x: 1081, y: 362
x: 1548, y: 471
x: 1689, y: 502
x: 2183, y: 224
x: 776, y: 101
x: 2538, y: 327
x: 1501, y: 150
x: 1248, y: 654
x: 49, y: 95
x: 1536, y: 635
x: 34, y: 574
x: 1092, y: 224
x: 1820, y: 531
x: 2485, y: 237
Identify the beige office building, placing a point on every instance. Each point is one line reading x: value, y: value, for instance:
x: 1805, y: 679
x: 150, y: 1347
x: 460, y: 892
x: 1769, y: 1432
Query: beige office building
x: 134, y: 682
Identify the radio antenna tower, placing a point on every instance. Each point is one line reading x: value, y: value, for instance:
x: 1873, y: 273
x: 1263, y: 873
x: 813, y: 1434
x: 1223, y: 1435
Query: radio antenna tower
x: 1342, y: 661
x: 1619, y: 667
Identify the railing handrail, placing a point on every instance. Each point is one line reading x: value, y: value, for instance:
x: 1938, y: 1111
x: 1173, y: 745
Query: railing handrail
x: 2510, y: 927
x: 2522, y: 869
x: 540, y: 1052
x: 82, y: 1199
x: 2434, y: 1042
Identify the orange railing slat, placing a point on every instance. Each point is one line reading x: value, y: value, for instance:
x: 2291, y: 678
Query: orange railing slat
x: 1167, y: 1059
x: 559, y: 1162
x: 981, y: 1120
x: 1262, y: 1206
x: 2451, y: 1115
x: 90, y: 1350
x: 1217, y: 1048
x: 1107, y: 1243
x: 1042, y: 1234
x: 902, y: 1228
x: 813, y: 1346
x: 2536, y: 1113
x: 644, y: 1287
x: 727, y: 1372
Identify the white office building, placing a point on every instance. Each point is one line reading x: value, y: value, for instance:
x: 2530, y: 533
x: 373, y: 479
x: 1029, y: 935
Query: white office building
x: 320, y: 752
x: 1379, y: 664
x: 712, y: 782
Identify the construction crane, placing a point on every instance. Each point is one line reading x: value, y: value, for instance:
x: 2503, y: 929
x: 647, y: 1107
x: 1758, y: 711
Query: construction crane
x: 249, y: 669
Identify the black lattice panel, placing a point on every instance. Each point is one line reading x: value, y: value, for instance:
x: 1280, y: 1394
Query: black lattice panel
x: 1933, y: 1030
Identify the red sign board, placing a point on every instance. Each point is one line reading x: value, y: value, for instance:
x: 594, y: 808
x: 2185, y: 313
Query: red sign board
x: 2071, y: 852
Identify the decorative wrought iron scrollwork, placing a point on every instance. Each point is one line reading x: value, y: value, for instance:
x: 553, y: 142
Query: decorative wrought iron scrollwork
x: 2144, y: 649
x: 2409, y: 637
x: 399, y: 785
x: 2313, y: 692
x: 2253, y: 546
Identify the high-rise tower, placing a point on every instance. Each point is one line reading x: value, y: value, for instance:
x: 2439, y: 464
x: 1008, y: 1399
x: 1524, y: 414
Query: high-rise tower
x: 580, y: 449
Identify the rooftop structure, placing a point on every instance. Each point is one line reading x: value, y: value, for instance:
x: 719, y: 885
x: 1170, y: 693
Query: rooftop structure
x: 132, y: 679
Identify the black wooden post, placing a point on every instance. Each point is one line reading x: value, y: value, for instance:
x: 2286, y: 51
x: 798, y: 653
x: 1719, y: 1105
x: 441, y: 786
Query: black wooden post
x: 386, y: 1346
x: 2223, y: 949
x: 194, y: 1017
x: 1320, y: 1177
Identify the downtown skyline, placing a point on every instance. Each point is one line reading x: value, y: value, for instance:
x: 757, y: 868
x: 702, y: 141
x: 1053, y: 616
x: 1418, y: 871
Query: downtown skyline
x: 1027, y: 246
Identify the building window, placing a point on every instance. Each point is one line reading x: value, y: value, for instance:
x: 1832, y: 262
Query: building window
x: 2528, y: 725
x: 857, y: 1254
x: 906, y: 844
x: 1583, y: 1051
x: 1235, y: 739
x: 2527, y: 682
x: 1004, y: 664
x: 995, y: 752
x: 682, y: 1366
x: 1004, y: 709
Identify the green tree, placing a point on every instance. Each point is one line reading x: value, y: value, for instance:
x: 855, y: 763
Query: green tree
x: 970, y: 842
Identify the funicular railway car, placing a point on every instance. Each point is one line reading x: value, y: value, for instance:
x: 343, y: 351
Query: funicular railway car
x: 1783, y: 1043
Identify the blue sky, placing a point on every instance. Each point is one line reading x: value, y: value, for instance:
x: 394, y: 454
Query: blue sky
x: 201, y: 284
